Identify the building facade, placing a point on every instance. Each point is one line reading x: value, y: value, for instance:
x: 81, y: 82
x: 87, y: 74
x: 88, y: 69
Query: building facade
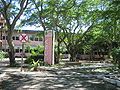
x: 34, y: 40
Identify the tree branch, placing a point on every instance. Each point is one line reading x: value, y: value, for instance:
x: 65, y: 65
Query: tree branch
x: 4, y: 12
x: 40, y: 17
x: 79, y: 41
x: 25, y: 3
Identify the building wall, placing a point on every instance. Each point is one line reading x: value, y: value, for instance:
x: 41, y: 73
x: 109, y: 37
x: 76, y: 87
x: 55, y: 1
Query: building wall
x: 33, y: 41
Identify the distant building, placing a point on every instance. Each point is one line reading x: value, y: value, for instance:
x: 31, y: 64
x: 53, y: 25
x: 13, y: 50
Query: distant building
x: 34, y: 40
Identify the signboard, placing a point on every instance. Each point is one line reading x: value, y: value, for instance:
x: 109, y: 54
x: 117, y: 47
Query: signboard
x: 49, y: 48
x: 23, y: 38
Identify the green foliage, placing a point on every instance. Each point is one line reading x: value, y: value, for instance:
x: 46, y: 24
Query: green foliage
x: 36, y: 59
x: 37, y: 50
x: 116, y: 56
x: 28, y: 60
x: 36, y: 55
x: 34, y: 65
x: 2, y: 55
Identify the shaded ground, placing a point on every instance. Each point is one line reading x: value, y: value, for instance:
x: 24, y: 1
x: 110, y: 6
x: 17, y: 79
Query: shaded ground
x: 54, y: 83
x: 68, y: 78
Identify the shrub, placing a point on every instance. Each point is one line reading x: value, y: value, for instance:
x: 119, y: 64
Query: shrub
x: 34, y: 65
x: 37, y: 50
x: 36, y: 58
x: 116, y: 56
x: 2, y: 55
x: 36, y: 55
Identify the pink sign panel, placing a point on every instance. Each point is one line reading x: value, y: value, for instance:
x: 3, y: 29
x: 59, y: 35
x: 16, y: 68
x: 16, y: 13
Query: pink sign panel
x: 48, y: 54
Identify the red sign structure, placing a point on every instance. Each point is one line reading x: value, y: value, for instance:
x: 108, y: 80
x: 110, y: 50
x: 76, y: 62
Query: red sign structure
x: 49, y: 48
x: 23, y: 38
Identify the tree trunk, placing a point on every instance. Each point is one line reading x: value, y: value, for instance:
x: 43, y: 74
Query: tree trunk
x: 72, y: 57
x: 57, y: 53
x: 92, y: 55
x: 11, y: 51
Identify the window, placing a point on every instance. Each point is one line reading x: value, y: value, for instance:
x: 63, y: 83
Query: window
x: 17, y: 38
x: 20, y: 50
x: 13, y: 37
x: 36, y: 39
x: 40, y: 39
x: 17, y: 50
x: 3, y: 37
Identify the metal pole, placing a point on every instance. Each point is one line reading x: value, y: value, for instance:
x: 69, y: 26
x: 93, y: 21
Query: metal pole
x: 22, y: 56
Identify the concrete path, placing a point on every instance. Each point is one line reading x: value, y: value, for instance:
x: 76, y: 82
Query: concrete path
x: 68, y: 78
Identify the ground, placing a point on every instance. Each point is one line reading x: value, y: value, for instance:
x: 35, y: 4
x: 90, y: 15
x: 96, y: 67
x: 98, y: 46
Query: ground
x: 54, y: 78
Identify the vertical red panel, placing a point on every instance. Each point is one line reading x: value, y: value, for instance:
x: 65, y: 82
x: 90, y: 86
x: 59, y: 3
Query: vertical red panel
x: 48, y: 55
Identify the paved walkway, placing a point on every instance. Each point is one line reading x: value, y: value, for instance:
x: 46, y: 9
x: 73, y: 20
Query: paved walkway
x: 68, y: 78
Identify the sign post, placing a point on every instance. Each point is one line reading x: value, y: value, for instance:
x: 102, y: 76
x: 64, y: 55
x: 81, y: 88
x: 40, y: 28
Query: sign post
x: 22, y: 56
x: 23, y: 38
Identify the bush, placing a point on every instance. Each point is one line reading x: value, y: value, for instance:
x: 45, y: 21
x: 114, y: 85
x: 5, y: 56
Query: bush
x: 36, y: 58
x: 36, y: 55
x: 2, y: 55
x: 116, y: 56
x: 34, y: 65
x: 38, y: 50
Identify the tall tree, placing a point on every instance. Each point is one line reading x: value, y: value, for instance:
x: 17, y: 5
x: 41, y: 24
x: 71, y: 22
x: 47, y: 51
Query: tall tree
x: 73, y: 20
x: 112, y: 20
x: 109, y: 22
x: 12, y: 11
x: 68, y: 17
x: 46, y: 13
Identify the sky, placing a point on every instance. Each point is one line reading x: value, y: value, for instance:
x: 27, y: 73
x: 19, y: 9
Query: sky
x: 32, y: 28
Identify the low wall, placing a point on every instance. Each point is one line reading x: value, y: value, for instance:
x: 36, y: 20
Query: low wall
x: 82, y: 57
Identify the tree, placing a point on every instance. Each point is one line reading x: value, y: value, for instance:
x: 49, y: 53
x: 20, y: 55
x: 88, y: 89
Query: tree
x: 73, y: 20
x: 59, y: 16
x: 112, y: 20
x: 68, y: 18
x: 12, y: 11
x: 109, y: 23
x: 46, y: 14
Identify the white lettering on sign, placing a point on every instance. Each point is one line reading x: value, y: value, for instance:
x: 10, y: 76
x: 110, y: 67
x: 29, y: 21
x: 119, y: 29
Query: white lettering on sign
x: 23, y: 38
